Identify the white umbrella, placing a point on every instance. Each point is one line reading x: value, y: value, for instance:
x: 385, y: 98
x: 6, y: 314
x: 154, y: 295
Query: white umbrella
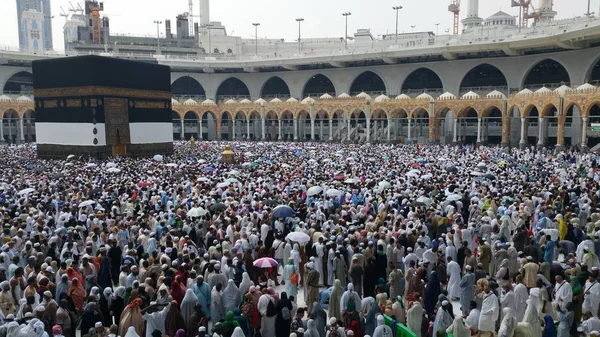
x: 352, y: 181
x: 197, y: 212
x: 414, y: 172
x: 71, y: 156
x: 314, y: 190
x: 232, y: 181
x: 111, y: 164
x: 384, y: 185
x: 247, y: 164
x: 86, y: 203
x: 223, y: 184
x: 248, y: 154
x: 90, y: 165
x: 482, y: 165
x: 476, y: 173
x: 312, y: 161
x: 158, y: 157
x: 233, y: 173
x: 203, y: 179
x: 453, y: 197
x: 201, y: 161
x: 69, y: 164
x: 26, y: 191
x: 424, y: 200
x: 332, y: 192
x: 427, y: 176
x: 113, y: 170
x: 326, y: 160
x: 171, y: 165
x: 299, y: 237
x: 284, y: 165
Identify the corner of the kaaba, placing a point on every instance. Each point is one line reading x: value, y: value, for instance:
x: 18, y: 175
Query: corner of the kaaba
x: 99, y: 107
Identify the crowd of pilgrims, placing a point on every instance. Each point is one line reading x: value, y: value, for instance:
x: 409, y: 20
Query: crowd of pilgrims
x: 443, y: 240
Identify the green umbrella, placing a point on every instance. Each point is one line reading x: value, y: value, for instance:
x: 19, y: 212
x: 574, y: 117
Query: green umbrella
x: 254, y: 164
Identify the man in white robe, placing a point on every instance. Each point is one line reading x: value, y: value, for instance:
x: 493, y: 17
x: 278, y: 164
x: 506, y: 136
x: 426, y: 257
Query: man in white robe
x: 591, y: 296
x: 330, y: 257
x: 563, y: 293
x: 507, y: 299
x: 532, y: 317
x: 521, y: 297
x: 319, y: 248
x: 473, y: 318
x: 156, y: 320
x: 382, y: 330
x: 590, y: 323
x: 490, y: 310
x: 414, y: 318
x: 267, y: 324
x: 453, y: 271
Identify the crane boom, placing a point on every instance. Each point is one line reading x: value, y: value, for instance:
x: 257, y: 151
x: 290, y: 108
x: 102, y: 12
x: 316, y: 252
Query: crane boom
x: 454, y: 8
x: 191, y: 16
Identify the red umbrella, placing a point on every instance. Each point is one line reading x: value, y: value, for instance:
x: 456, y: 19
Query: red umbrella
x: 339, y: 177
x: 143, y: 184
x: 415, y: 165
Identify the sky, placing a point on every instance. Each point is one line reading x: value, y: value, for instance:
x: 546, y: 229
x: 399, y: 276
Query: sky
x: 277, y: 17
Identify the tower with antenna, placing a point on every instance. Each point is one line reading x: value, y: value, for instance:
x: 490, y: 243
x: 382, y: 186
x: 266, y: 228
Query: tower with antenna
x: 191, y: 15
x: 472, y: 19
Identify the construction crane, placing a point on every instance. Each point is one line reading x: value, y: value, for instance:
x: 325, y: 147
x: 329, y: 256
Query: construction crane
x: 93, y: 9
x: 64, y: 14
x: 537, y: 14
x: 191, y: 16
x: 454, y: 8
x: 523, y: 11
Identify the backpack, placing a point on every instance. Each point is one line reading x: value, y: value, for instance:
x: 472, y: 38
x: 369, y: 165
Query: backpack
x: 294, y: 278
x: 351, y: 305
x: 271, y: 310
x: 285, y: 313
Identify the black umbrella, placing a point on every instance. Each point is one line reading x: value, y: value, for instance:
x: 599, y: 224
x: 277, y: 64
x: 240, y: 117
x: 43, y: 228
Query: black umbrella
x: 270, y: 202
x: 218, y: 207
x: 452, y: 169
x: 58, y: 176
x: 418, y: 204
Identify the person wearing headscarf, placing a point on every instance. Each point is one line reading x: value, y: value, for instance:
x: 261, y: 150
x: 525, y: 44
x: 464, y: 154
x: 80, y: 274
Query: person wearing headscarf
x: 61, y: 287
x: 267, y: 322
x: 319, y: 317
x: 230, y: 297
x: 311, y: 329
x: 532, y: 317
x: 105, y: 302
x: 350, y: 302
x: 217, y: 311
x: 502, y: 275
x: 395, y: 279
x: 466, y: 290
x: 382, y: 330
x: 312, y: 284
x: 89, y: 317
x: 188, y: 304
x: 565, y: 320
x: 242, y: 321
x: 229, y: 324
x: 117, y: 304
x: 490, y: 310
x: 549, y: 327
x: 7, y: 302
x: 549, y: 250
x: 370, y: 312
x: 458, y: 328
x: 289, y: 270
x: 443, y: 318
x: 203, y: 294
x: 245, y: 284
x: 282, y: 323
x: 577, y: 297
x: 453, y: 270
x: 433, y: 289
x: 335, y: 298
x: 77, y: 294
x: 132, y: 316
x: 177, y: 291
x: 174, y: 319
x: 131, y: 332
x: 591, y: 300
x: 237, y: 332
x: 508, y: 324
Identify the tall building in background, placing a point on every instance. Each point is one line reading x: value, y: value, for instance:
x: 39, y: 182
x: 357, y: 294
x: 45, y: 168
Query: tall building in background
x: 42, y: 6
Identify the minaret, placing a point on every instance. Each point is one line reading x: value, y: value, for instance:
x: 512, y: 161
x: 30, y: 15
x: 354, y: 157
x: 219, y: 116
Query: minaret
x: 204, y: 13
x: 473, y: 19
x: 547, y: 12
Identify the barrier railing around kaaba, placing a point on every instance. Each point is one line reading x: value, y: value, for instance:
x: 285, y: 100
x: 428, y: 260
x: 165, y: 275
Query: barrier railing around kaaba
x: 399, y: 329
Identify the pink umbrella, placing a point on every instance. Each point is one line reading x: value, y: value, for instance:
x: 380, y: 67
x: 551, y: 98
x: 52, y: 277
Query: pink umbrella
x: 265, y: 262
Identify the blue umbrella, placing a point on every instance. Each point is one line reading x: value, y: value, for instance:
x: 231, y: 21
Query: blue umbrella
x: 208, y: 169
x: 283, y: 211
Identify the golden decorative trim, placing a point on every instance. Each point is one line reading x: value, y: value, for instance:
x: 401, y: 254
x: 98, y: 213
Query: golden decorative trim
x: 50, y: 104
x: 149, y: 105
x: 73, y: 103
x: 101, y: 91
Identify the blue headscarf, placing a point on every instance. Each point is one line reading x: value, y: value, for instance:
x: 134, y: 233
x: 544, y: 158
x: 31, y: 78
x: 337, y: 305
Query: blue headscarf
x: 550, y: 328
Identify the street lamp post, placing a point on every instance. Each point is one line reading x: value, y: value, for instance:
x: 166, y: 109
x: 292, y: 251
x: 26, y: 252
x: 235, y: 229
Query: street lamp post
x: 397, y: 8
x: 413, y: 28
x: 158, y: 23
x: 299, y: 33
x: 208, y: 27
x: 346, y: 15
x: 256, y: 24
x: 437, y: 27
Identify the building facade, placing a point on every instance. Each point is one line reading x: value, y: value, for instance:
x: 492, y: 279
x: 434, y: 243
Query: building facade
x: 43, y: 7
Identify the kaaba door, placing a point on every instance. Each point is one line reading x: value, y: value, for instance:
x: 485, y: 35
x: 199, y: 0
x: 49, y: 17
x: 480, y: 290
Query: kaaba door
x: 119, y: 149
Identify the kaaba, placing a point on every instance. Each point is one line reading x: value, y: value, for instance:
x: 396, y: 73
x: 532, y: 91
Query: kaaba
x: 99, y: 107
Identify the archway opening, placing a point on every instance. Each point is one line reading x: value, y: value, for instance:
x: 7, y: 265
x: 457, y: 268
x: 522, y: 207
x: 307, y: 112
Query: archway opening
x: 595, y: 73
x: 272, y: 126
x: 468, y: 126
x: 10, y: 123
x: 303, y: 125
x: 368, y: 82
x: 340, y: 131
x: 287, y: 126
x: 275, y: 87
x: 532, y: 127
x: 20, y: 83
x: 208, y: 128
x: 322, y: 126
x: 29, y: 121
x: 255, y: 125
x: 493, y: 127
x: 232, y: 88
x: 423, y: 80
x: 548, y: 73
x: 317, y: 86
x: 241, y: 129
x: 593, y: 137
x: 226, y: 126
x: 187, y: 87
x: 483, y: 79
x: 190, y: 124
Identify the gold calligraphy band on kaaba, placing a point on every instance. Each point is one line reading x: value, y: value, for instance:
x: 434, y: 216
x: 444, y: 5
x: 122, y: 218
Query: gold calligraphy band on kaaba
x: 100, y: 91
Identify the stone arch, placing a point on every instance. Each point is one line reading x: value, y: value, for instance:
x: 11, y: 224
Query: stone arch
x: 549, y: 110
x: 11, y: 126
x: 468, y: 118
x: 187, y: 86
x: 232, y: 87
x: 19, y: 83
x: 489, y: 109
x: 255, y: 121
x: 318, y: 85
x: 526, y: 111
x: 287, y: 125
x: 271, y: 125
x: 379, y: 114
x: 226, y: 123
x: 275, y: 87
x: 303, y: 124
x: 593, y: 73
x: 207, y: 128
x: 369, y: 82
x: 548, y: 72
x: 190, y: 124
x: 29, y: 125
x: 482, y: 76
x: 466, y: 110
x: 422, y: 79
